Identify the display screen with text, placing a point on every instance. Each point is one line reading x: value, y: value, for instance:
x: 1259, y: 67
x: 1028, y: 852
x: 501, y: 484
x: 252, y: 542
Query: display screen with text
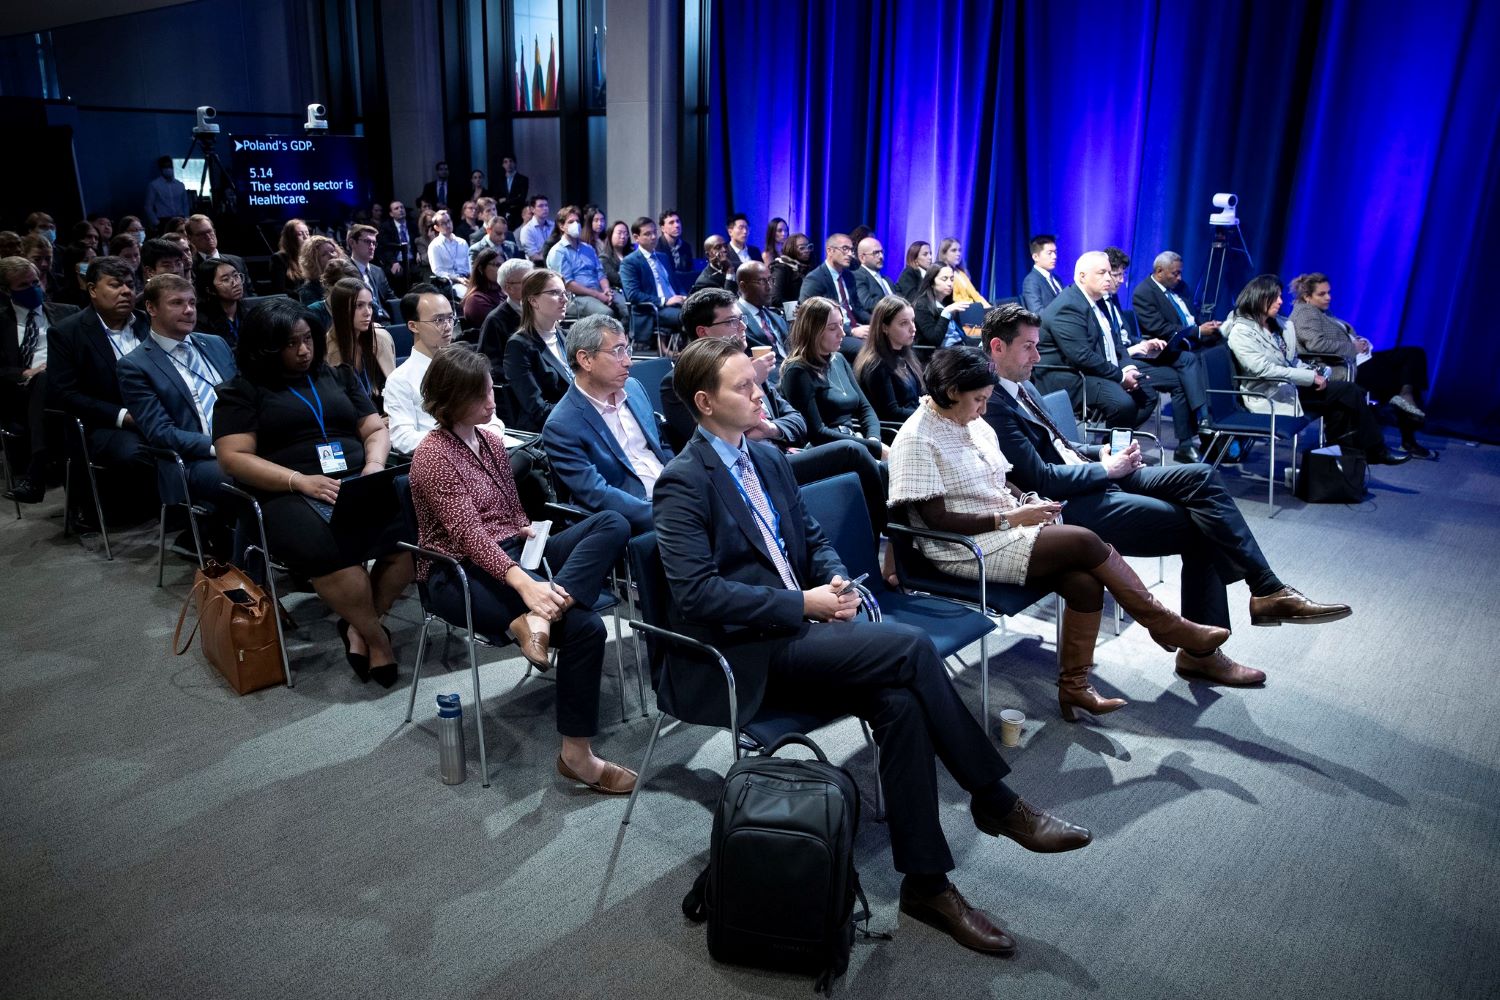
x: 283, y: 176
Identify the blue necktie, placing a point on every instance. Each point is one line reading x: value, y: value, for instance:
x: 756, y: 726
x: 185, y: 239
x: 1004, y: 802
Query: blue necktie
x: 1181, y: 316
x: 761, y: 508
x: 200, y: 384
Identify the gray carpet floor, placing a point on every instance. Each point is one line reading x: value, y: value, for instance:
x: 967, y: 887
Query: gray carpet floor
x: 1332, y: 835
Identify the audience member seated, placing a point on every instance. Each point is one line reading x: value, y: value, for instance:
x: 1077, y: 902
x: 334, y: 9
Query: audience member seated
x: 574, y: 258
x: 602, y: 438
x: 317, y: 251
x: 286, y: 266
x: 1040, y: 286
x: 765, y: 326
x: 594, y: 232
x: 1162, y: 368
x: 741, y: 250
x: 166, y: 196
x: 788, y: 270
x: 817, y: 379
x: 82, y: 351
x: 719, y: 271
x: 161, y: 257
x: 771, y: 602
x: 131, y: 226
x: 1265, y: 349
x: 336, y: 270
x: 504, y: 319
x: 25, y: 319
x: 1140, y: 510
x: 934, y: 311
x: 646, y: 276
x: 533, y: 232
x: 467, y: 222
x: 436, y: 192
x: 169, y: 384
x: 776, y: 234
x: 1076, y: 335
x: 205, y: 242
x: 355, y: 342
x: 673, y: 244
x: 1397, y: 375
x: 125, y: 247
x: 613, y: 251
x: 496, y: 236
x: 468, y: 508
x: 83, y: 234
x: 362, y: 242
x: 951, y: 252
x: 947, y: 467
x: 429, y: 316
x: 395, y: 247
x: 887, y: 368
x: 104, y: 226
x: 288, y: 428
x: 39, y: 250
x: 918, y: 261
x: 536, y: 362
x: 447, y: 255
x: 484, y: 295
x: 1163, y: 317
x: 69, y: 288
x: 832, y: 280
x: 219, y: 290
x: 870, y: 286
x: 10, y: 243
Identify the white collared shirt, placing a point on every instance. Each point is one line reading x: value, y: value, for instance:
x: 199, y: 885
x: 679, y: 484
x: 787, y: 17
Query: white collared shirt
x: 410, y: 423
x: 1101, y: 313
x: 879, y: 278
x: 39, y: 356
x: 627, y: 431
x: 1047, y: 276
x: 1069, y: 456
x: 123, y: 341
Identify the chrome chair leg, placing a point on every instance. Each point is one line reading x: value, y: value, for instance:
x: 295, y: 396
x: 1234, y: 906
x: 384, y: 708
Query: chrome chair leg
x: 484, y: 762
x: 161, y: 543
x: 416, y: 672
x: 640, y: 775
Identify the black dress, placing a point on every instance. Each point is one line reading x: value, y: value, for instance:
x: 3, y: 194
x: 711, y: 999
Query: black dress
x: 287, y: 432
x: 831, y: 402
x: 786, y: 280
x: 894, y: 392
x: 211, y: 319
x: 907, y: 284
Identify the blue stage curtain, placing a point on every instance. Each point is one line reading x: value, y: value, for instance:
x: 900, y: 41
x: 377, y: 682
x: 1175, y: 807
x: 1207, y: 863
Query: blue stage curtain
x: 1360, y: 136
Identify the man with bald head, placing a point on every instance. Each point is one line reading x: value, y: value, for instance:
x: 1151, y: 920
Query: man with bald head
x: 1077, y: 336
x: 832, y: 280
x: 720, y: 270
x: 765, y: 326
x: 870, y: 285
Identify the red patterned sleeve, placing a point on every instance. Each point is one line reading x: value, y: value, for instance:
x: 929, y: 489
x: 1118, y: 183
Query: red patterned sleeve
x: 449, y: 510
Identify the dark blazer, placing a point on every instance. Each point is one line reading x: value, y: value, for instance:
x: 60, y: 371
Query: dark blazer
x: 894, y: 398
x: 932, y: 328
x: 710, y: 277
x: 907, y: 284
x: 637, y: 281
x: 10, y: 345
x: 1155, y: 316
x: 158, y: 396
x: 81, y: 367
x: 756, y: 334
x: 681, y: 422
x: 725, y: 588
x: 681, y: 254
x: 1071, y: 336
x: 389, y: 249
x: 380, y: 292
x: 495, y: 331
x: 786, y: 281
x: 1027, y: 445
x: 751, y: 250
x: 867, y: 292
x: 1036, y: 292
x: 590, y: 463
x: 429, y: 194
x: 537, y: 379
x: 819, y: 281
x: 511, y: 202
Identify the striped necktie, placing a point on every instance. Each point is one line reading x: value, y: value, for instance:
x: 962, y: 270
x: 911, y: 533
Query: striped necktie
x: 201, y: 384
x: 29, y: 339
x: 761, y: 508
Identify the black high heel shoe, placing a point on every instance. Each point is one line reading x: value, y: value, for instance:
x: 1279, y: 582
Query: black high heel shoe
x: 358, y: 661
x: 385, y: 674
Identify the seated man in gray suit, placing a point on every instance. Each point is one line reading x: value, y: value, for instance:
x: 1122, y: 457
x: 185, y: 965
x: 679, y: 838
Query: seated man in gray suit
x: 168, y: 385
x: 601, y: 437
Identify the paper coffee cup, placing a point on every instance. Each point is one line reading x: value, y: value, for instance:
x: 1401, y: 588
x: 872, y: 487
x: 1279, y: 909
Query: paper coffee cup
x: 1011, y: 721
x: 760, y: 350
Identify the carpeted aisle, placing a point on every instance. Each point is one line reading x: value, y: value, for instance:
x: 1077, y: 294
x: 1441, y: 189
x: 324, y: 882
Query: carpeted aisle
x: 1333, y: 835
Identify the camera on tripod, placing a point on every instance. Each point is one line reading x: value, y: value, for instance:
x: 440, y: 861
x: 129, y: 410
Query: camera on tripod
x: 205, y: 126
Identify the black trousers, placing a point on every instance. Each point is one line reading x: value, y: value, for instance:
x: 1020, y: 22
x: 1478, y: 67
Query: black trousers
x: 835, y: 457
x: 1387, y: 371
x: 1343, y: 406
x: 1181, y: 375
x: 21, y: 409
x: 1109, y: 401
x: 891, y: 676
x: 580, y: 558
x: 1181, y: 510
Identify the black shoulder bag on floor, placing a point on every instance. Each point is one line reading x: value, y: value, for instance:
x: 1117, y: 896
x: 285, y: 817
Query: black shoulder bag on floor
x: 1332, y: 478
x: 780, y: 886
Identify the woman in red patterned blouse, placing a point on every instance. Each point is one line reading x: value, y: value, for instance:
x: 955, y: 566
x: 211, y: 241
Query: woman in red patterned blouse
x: 465, y: 497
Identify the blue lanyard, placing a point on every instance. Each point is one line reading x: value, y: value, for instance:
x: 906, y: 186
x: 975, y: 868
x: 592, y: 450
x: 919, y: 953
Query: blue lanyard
x: 775, y: 526
x: 193, y: 371
x: 364, y: 381
x: 317, y: 411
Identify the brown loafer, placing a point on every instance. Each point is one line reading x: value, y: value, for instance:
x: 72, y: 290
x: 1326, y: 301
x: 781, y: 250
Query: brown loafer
x: 1218, y: 669
x: 533, y: 645
x: 615, y: 780
x: 950, y: 913
x: 1031, y: 828
x: 1289, y: 607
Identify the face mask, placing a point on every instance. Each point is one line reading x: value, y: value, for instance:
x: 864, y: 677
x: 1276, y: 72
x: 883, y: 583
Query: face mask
x: 573, y: 230
x: 140, y: 237
x: 51, y: 235
x: 28, y: 298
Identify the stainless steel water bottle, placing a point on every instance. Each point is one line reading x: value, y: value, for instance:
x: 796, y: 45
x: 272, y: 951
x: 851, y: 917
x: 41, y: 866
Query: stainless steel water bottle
x: 451, y: 739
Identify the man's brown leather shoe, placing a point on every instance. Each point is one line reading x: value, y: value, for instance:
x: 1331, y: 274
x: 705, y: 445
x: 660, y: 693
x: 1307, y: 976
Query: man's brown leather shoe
x: 950, y: 913
x: 1031, y: 828
x: 1288, y: 607
x: 1218, y: 669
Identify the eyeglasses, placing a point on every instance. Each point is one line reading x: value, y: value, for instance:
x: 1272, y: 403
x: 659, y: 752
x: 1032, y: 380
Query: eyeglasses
x: 619, y: 352
x: 233, y: 277
x: 847, y: 249
x: 443, y: 321
x: 738, y: 322
x: 562, y: 295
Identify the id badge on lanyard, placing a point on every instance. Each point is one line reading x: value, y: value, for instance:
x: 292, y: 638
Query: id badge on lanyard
x: 331, y: 458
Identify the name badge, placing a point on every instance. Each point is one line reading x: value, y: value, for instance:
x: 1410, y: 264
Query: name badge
x: 331, y: 458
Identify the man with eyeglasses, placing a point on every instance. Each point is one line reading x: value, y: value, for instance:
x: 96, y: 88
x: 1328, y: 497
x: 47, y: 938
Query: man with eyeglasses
x: 832, y: 280
x: 205, y: 243
x: 601, y: 437
x: 429, y: 316
x: 870, y: 286
x: 361, y: 243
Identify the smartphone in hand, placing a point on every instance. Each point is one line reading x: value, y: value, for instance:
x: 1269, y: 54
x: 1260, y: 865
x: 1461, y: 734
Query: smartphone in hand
x: 1119, y: 439
x: 849, y: 587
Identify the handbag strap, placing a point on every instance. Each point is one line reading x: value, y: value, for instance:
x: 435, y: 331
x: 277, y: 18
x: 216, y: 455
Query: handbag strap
x: 200, y: 584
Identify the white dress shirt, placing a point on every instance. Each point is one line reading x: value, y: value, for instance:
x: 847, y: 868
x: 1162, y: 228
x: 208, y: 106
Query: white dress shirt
x: 1069, y: 456
x: 403, y: 405
x: 632, y: 440
x: 39, y: 355
x: 1051, y: 281
x: 123, y: 342
x: 879, y: 279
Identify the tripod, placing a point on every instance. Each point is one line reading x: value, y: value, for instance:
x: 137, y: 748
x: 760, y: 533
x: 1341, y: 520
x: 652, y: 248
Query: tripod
x: 1218, y: 253
x: 225, y: 196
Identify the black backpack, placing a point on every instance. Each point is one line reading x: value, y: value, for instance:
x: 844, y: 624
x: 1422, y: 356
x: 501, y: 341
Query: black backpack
x: 780, y: 886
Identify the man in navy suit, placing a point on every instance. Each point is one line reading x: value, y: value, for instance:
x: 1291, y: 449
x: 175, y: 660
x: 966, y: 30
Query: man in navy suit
x: 752, y: 574
x: 1040, y: 286
x: 646, y: 277
x: 1142, y: 511
x: 765, y: 325
x: 362, y: 241
x: 1077, y: 336
x: 832, y: 280
x: 601, y: 437
x: 870, y: 285
x: 26, y: 317
x: 168, y: 383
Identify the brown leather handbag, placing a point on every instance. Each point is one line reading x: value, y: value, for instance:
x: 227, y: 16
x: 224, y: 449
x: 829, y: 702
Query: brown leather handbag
x: 239, y: 627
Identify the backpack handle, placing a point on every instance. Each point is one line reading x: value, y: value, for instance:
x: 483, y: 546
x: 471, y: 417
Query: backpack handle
x: 801, y: 740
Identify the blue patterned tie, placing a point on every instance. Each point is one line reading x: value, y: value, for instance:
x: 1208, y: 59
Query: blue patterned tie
x: 201, y: 384
x: 761, y: 507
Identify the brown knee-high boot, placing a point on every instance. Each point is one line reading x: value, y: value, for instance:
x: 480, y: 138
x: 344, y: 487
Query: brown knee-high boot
x: 1167, y: 627
x: 1080, y: 632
